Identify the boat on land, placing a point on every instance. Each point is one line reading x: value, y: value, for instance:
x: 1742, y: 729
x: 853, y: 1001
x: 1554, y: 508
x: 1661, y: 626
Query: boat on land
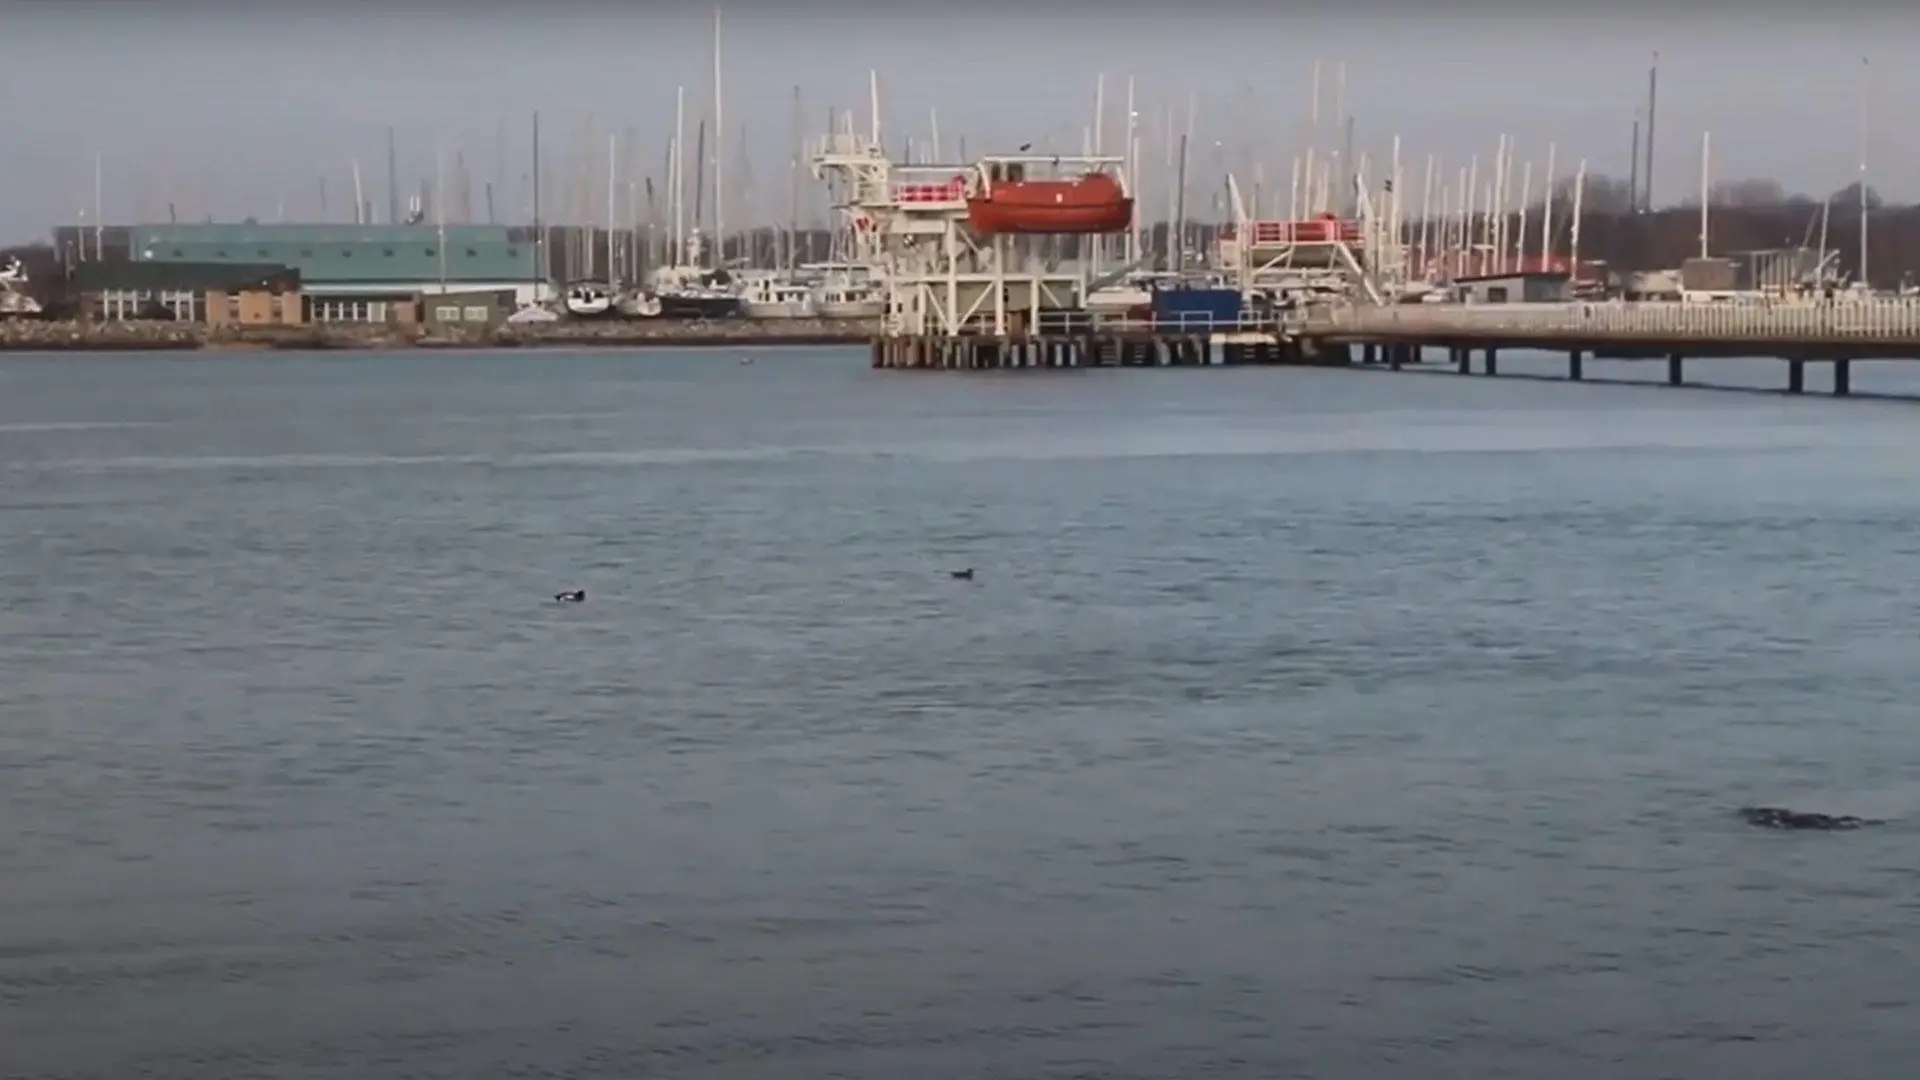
x: 776, y: 297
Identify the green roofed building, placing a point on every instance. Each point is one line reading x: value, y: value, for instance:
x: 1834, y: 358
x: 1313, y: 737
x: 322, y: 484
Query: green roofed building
x: 357, y: 272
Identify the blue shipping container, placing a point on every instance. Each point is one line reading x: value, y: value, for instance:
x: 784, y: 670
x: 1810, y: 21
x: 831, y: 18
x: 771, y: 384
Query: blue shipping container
x: 1196, y: 309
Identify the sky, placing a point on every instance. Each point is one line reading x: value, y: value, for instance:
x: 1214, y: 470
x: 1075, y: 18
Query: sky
x: 234, y: 110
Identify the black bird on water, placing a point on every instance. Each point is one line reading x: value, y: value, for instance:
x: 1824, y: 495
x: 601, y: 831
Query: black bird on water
x: 1779, y: 817
x: 962, y: 575
x: 577, y: 596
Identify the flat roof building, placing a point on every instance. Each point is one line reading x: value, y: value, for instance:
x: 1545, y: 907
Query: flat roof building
x: 359, y: 262
x: 1524, y: 288
x: 216, y: 294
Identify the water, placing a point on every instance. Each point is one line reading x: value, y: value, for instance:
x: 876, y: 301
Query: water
x: 1298, y: 724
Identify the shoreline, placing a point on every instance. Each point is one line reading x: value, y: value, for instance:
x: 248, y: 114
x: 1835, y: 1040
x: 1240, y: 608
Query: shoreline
x: 23, y: 336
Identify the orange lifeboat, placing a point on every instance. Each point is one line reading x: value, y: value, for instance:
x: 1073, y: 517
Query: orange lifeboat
x: 1094, y: 203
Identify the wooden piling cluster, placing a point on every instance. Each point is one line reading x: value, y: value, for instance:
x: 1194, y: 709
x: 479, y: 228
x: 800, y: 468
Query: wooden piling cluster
x: 984, y: 352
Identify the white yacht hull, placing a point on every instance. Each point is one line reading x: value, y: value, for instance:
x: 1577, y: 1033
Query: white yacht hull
x: 851, y: 309
x: 776, y: 309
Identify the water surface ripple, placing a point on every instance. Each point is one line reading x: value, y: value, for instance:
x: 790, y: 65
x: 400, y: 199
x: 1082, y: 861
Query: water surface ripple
x: 1298, y: 724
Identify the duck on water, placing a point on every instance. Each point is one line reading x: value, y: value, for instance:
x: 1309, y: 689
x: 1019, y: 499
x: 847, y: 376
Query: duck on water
x: 1779, y: 817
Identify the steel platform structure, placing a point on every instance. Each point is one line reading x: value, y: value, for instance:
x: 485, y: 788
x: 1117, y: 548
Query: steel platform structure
x: 941, y: 277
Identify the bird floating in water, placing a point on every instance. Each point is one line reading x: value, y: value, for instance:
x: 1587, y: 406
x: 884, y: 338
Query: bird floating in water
x: 962, y: 575
x: 1779, y: 817
x: 577, y: 596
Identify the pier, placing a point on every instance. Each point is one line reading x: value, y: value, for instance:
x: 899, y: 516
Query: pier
x: 1835, y: 333
x: 1071, y: 340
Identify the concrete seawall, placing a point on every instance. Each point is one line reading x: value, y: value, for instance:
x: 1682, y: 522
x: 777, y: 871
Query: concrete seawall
x: 24, y: 335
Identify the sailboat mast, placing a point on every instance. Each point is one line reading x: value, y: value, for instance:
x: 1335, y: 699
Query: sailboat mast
x: 613, y: 195
x: 677, y: 175
x: 719, y: 155
x: 100, y: 223
x: 1132, y: 165
x: 440, y: 211
x: 793, y: 185
x: 393, y: 181
x: 1864, y: 87
x: 539, y: 231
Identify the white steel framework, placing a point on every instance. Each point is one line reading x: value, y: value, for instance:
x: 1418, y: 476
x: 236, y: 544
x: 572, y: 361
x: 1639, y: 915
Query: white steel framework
x: 941, y: 277
x: 1353, y: 258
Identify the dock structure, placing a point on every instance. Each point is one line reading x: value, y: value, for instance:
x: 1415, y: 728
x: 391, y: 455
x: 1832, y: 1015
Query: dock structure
x: 1796, y: 332
x: 1074, y: 340
x: 971, y: 284
x: 941, y: 278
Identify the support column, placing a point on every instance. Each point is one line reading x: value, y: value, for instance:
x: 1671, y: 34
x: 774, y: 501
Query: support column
x: 1676, y: 370
x: 1493, y: 360
x: 1842, y: 378
x: 1396, y: 355
x: 1796, y: 376
x: 1574, y: 374
x: 1462, y: 360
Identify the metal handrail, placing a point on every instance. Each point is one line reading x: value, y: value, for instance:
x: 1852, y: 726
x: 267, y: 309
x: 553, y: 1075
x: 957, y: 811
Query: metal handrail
x: 1878, y: 319
x: 1075, y: 322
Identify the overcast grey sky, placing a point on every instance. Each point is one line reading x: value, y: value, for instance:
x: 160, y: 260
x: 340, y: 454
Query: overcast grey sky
x: 233, y: 110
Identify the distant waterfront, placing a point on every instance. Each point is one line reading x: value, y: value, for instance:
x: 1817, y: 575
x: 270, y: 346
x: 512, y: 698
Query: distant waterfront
x: 28, y: 335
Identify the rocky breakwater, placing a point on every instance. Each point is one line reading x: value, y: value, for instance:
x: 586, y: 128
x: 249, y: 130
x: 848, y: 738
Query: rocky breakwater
x: 34, y: 335
x: 28, y: 335
x: 657, y: 333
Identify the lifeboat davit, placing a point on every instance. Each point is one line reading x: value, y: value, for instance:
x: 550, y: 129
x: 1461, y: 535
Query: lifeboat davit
x: 1094, y: 203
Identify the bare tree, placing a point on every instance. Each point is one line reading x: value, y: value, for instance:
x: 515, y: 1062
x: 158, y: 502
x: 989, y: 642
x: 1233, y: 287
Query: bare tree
x: 1752, y: 192
x: 1602, y: 195
x: 1849, y: 197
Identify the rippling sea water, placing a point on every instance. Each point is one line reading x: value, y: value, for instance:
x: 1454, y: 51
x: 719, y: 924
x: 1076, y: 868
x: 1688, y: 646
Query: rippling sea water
x: 1298, y: 723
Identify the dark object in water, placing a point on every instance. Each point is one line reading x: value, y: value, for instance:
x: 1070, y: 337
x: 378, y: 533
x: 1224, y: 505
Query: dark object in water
x: 962, y: 575
x: 1777, y: 817
x: 577, y: 596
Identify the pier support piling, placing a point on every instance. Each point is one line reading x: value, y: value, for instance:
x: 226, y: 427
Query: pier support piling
x: 1493, y: 360
x: 1574, y: 373
x: 1676, y: 370
x: 1796, y: 376
x: 1842, y: 378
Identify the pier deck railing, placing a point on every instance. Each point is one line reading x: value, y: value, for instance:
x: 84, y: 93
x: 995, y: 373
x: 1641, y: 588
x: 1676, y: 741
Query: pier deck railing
x: 1067, y: 323
x: 1892, y: 320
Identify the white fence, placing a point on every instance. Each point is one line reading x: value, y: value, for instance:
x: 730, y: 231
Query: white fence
x: 1083, y: 322
x: 1873, y: 320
